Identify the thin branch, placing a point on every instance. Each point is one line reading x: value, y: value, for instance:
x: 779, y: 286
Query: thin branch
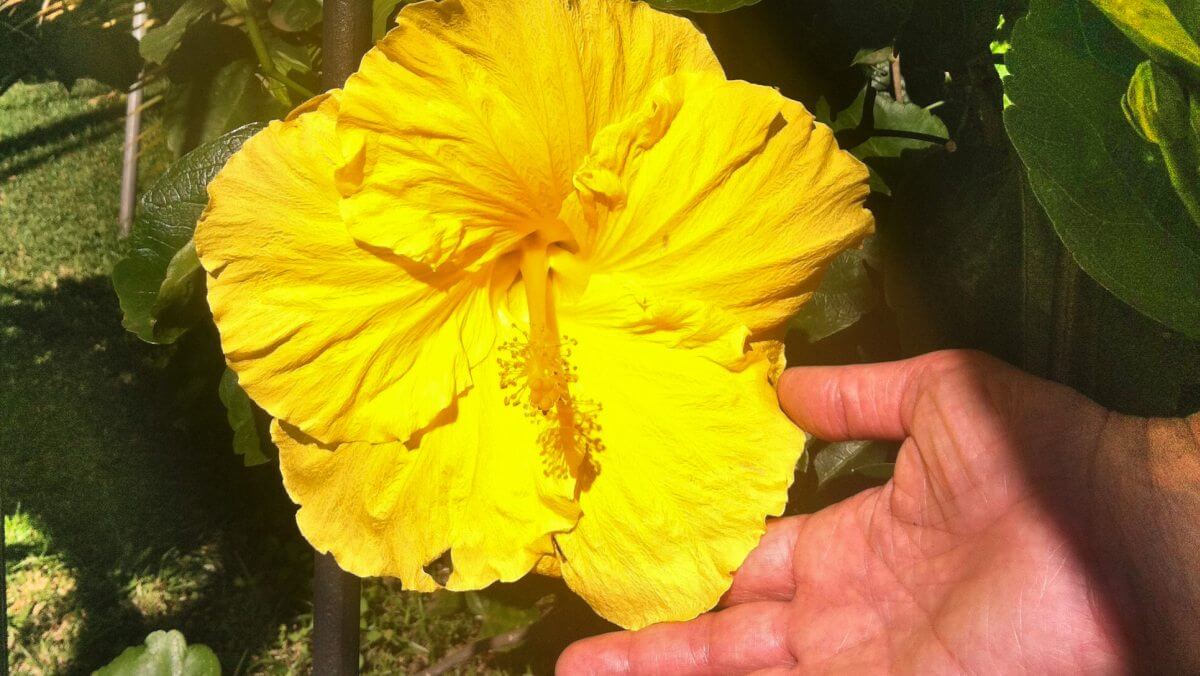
x: 914, y: 135
x: 463, y: 653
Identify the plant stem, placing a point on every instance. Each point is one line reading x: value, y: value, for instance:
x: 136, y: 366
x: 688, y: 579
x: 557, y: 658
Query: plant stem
x: 915, y: 135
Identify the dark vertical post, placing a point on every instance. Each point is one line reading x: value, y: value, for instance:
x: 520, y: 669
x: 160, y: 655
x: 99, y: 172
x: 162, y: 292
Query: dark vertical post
x: 335, y: 618
x: 345, y: 37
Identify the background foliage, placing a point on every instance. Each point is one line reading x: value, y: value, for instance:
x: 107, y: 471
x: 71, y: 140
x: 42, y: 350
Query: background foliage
x: 1033, y: 171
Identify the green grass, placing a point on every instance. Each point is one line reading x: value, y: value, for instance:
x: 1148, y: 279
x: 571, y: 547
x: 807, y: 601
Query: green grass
x: 126, y: 509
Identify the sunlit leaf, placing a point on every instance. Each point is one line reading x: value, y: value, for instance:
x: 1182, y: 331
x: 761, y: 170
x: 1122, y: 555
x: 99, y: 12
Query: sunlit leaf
x: 1155, y: 29
x: 165, y: 653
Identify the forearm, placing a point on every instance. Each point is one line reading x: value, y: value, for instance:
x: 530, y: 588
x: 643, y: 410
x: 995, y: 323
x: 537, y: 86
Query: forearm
x: 1142, y: 534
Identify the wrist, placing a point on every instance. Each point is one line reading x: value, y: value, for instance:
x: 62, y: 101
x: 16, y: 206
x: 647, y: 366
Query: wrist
x: 1142, y: 535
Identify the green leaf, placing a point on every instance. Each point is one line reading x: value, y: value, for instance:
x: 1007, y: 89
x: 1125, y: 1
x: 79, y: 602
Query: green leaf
x: 499, y: 614
x: 1187, y: 12
x: 158, y: 42
x: 157, y: 281
x: 1165, y: 113
x: 1154, y: 28
x: 840, y: 459
x: 704, y: 6
x: 1105, y: 189
x: 289, y: 57
x: 293, y: 16
x: 846, y: 294
x: 879, y: 471
x: 239, y: 410
x: 180, y: 303
x: 382, y: 12
x: 890, y: 115
x: 165, y: 653
x: 237, y: 97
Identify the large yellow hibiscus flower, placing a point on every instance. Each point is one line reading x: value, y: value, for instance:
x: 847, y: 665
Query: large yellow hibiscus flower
x: 515, y: 292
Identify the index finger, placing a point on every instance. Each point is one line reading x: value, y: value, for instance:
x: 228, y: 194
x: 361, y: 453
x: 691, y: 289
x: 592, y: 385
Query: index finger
x: 740, y: 639
x: 866, y: 401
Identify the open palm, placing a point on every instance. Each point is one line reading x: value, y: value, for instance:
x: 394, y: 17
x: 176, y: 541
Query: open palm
x: 960, y: 563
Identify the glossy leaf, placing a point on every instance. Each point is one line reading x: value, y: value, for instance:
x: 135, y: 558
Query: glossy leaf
x: 165, y: 653
x: 247, y: 442
x: 157, y: 283
x: 846, y: 294
x: 1106, y: 189
x: 293, y: 16
x: 840, y: 459
x: 704, y: 6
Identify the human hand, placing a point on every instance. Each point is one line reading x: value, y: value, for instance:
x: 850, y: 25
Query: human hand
x: 969, y: 559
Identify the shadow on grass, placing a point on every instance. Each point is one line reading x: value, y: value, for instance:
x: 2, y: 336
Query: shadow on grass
x: 120, y: 451
x: 47, y: 142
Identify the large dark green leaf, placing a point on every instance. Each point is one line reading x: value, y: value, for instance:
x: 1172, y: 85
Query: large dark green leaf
x: 165, y: 653
x: 239, y: 410
x: 292, y: 16
x: 158, y: 42
x: 159, y: 284
x: 706, y: 6
x: 1105, y: 188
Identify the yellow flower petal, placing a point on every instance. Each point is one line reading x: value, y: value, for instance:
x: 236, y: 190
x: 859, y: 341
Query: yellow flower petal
x: 343, y: 343
x: 696, y: 455
x: 722, y: 191
x: 463, y: 127
x: 474, y: 486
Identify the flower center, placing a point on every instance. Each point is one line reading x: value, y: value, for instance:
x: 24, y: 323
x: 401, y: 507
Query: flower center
x: 536, y: 370
x: 535, y: 365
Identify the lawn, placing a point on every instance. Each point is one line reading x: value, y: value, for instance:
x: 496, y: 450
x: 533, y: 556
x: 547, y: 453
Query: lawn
x: 125, y: 509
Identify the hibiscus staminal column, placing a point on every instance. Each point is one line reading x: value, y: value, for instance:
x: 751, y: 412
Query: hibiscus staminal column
x: 536, y: 370
x: 535, y: 364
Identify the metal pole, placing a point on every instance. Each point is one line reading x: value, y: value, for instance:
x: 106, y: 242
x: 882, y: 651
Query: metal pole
x: 133, y: 128
x: 345, y: 37
x: 335, y: 619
